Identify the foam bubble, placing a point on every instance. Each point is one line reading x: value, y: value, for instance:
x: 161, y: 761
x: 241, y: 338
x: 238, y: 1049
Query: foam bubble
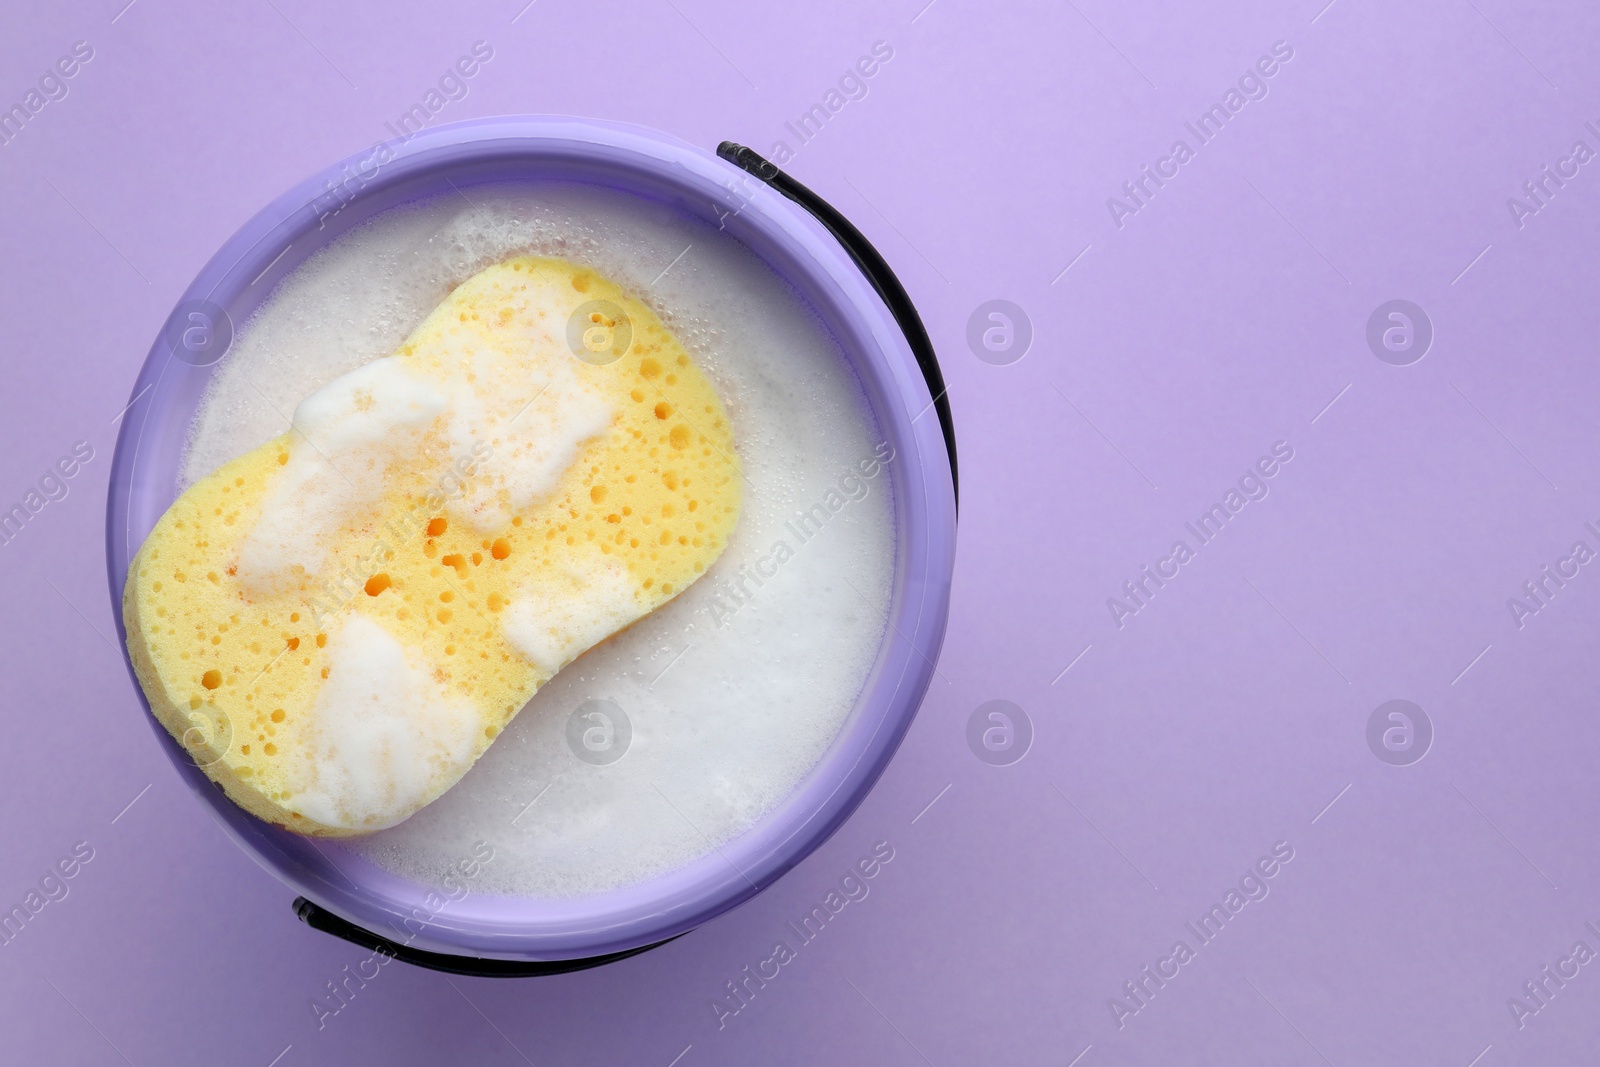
x: 349, y: 432
x: 382, y: 733
x: 736, y: 687
x: 555, y: 621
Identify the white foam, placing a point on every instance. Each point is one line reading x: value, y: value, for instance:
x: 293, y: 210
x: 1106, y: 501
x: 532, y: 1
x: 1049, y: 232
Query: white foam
x: 736, y: 687
x: 347, y: 434
x: 518, y: 397
x: 383, y: 733
x: 534, y: 416
x: 559, y: 618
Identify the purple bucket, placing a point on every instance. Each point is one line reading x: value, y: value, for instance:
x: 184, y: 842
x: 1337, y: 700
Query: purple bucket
x: 345, y: 893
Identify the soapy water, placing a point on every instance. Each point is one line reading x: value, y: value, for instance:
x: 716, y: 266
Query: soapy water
x: 733, y: 690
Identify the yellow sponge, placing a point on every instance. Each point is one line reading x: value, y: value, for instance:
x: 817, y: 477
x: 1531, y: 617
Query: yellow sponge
x: 337, y: 624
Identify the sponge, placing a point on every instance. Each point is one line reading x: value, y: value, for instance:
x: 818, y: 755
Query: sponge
x: 337, y: 624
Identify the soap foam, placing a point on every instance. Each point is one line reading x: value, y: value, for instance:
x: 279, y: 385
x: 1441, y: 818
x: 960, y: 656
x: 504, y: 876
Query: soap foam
x: 726, y: 719
x: 347, y: 434
x: 553, y: 623
x: 383, y: 731
x: 532, y: 421
x: 350, y: 432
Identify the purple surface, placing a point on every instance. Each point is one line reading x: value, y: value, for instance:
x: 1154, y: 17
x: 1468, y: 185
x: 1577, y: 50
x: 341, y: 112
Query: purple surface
x: 453, y: 160
x: 1167, y: 356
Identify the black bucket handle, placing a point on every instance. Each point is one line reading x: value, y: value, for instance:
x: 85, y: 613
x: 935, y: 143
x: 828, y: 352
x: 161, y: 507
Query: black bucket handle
x: 873, y: 265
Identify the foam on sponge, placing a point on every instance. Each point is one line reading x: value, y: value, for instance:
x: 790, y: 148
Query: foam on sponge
x: 338, y: 623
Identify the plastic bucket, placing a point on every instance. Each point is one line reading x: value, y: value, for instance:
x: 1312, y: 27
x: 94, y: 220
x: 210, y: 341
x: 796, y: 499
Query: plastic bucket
x: 493, y: 934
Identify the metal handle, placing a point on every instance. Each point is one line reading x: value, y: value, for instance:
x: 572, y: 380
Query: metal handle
x: 473, y: 967
x: 872, y: 264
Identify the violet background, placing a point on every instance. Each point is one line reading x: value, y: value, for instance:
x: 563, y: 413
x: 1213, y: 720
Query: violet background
x: 1225, y: 717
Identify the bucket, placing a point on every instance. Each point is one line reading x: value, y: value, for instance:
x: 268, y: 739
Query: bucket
x: 832, y: 269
